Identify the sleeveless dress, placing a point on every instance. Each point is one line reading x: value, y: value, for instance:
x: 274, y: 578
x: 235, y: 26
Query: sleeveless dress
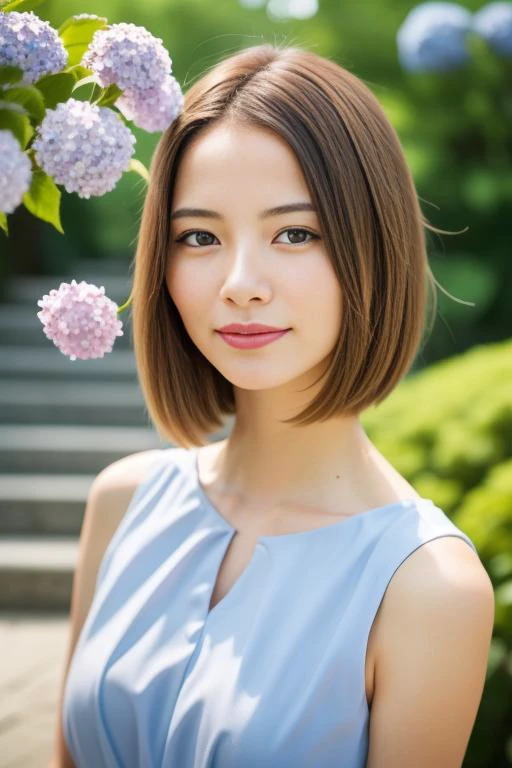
x: 273, y: 675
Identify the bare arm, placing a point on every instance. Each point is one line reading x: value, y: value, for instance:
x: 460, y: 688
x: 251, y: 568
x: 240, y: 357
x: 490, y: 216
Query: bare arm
x: 432, y: 658
x: 107, y: 502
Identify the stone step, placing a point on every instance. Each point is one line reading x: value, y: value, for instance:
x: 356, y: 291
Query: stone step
x: 49, y: 402
x: 36, y: 573
x: 49, y: 364
x: 28, y: 289
x: 69, y: 449
x: 46, y: 505
x: 20, y: 326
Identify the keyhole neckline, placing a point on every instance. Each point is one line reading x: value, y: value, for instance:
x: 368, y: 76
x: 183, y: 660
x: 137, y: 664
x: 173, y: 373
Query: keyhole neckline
x: 275, y: 539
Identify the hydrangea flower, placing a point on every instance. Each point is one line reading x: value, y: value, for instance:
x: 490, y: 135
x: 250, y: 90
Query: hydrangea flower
x: 433, y: 37
x: 28, y: 42
x: 127, y: 55
x: 83, y: 146
x: 15, y: 172
x: 493, y: 22
x: 154, y: 109
x: 80, y: 320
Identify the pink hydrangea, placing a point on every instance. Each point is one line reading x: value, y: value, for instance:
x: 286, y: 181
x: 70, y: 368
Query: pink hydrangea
x: 80, y: 320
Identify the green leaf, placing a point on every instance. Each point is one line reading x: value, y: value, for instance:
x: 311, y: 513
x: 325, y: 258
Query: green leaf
x: 21, y: 5
x: 79, y: 72
x: 3, y: 222
x: 76, y: 35
x: 503, y: 594
x: 56, y: 88
x: 10, y: 74
x: 43, y: 199
x: 109, y: 96
x: 29, y: 97
x: 18, y: 124
x: 84, y: 81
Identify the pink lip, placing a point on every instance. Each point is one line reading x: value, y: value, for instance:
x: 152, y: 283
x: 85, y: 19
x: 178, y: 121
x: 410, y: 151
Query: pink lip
x: 251, y: 340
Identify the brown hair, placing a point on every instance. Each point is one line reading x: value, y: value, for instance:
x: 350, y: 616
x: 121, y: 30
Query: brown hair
x: 369, y: 216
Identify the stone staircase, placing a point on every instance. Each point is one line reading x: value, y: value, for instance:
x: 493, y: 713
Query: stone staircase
x: 61, y: 422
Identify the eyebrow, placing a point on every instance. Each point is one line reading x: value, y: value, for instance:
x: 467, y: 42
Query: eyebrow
x: 277, y: 211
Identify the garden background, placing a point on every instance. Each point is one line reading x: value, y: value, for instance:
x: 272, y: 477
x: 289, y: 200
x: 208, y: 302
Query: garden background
x: 448, y: 427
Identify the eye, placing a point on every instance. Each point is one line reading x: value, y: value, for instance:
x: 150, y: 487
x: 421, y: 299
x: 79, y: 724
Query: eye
x: 199, y: 232
x: 300, y: 232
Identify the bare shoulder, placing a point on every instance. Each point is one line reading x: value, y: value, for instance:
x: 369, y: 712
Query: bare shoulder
x: 124, y: 475
x: 444, y: 563
x: 109, y: 497
x: 112, y: 490
x: 445, y: 570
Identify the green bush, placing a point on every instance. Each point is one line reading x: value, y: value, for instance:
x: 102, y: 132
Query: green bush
x: 448, y: 430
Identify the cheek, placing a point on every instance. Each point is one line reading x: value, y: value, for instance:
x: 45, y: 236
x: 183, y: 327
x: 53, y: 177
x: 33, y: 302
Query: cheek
x: 319, y: 289
x: 183, y: 288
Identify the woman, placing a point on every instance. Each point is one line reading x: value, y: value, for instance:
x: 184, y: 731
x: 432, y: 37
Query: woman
x: 281, y: 597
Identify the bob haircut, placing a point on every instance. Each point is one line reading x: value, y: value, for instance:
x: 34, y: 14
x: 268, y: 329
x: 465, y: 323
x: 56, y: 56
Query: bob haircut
x: 369, y: 216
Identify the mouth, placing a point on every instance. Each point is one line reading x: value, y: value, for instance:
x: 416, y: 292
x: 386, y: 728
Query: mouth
x: 251, y: 340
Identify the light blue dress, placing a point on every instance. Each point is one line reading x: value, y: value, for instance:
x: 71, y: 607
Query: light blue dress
x: 273, y: 676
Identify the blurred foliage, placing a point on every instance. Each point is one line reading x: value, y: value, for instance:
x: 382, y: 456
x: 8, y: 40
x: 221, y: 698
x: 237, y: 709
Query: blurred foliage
x: 454, y: 127
x: 448, y: 430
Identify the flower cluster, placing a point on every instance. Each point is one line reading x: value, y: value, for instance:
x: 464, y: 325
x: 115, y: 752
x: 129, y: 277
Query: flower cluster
x: 80, y: 320
x: 28, y: 42
x: 84, y: 147
x: 133, y: 59
x: 158, y: 108
x: 127, y: 55
x: 15, y: 172
x: 434, y: 35
x: 493, y: 23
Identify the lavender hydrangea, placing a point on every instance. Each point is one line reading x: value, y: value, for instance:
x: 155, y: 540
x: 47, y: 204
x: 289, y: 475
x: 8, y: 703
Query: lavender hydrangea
x: 433, y: 37
x: 28, y: 42
x: 127, y: 55
x: 154, y: 109
x: 80, y: 320
x: 493, y: 23
x: 83, y: 146
x: 15, y: 172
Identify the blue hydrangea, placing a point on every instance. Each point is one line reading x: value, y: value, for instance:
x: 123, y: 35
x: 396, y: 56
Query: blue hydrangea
x: 15, y: 172
x: 154, y: 109
x: 433, y: 37
x: 493, y: 22
x: 28, y: 42
x: 129, y: 56
x: 84, y: 147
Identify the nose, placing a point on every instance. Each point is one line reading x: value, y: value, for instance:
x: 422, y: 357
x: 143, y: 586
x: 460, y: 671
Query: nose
x: 245, y: 278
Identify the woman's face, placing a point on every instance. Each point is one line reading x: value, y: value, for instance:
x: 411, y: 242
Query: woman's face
x: 238, y: 265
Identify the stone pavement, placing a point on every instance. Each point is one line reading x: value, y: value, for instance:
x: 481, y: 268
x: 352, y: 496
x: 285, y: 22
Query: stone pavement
x: 32, y: 655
